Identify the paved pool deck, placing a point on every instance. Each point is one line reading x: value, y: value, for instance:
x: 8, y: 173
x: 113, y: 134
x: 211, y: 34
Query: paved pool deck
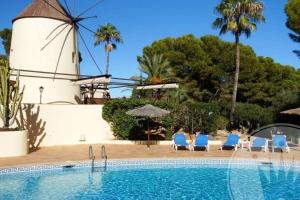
x: 80, y: 153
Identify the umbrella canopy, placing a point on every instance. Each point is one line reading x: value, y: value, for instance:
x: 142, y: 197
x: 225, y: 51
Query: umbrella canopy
x: 292, y: 112
x: 148, y: 111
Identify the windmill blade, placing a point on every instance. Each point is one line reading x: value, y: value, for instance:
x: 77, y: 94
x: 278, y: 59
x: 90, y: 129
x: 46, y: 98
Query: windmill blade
x: 87, y: 28
x: 90, y: 52
x: 55, y: 8
x: 91, y: 17
x: 88, y: 9
x: 69, y: 11
x: 54, y: 37
x: 56, y: 29
x: 60, y: 53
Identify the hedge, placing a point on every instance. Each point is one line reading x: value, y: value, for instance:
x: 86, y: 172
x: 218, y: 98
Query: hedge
x: 206, y: 117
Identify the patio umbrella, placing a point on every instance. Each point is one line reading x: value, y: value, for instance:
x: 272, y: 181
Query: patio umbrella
x: 148, y: 111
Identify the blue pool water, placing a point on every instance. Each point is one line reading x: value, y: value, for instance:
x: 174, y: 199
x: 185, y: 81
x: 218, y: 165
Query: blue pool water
x: 156, y: 182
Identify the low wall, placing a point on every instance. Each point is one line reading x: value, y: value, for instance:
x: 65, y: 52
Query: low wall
x: 51, y: 125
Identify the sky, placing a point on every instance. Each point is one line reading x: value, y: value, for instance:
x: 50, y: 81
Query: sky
x: 141, y: 22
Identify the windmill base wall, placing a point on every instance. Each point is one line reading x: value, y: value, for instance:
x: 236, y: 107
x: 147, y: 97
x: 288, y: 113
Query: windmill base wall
x: 53, y: 125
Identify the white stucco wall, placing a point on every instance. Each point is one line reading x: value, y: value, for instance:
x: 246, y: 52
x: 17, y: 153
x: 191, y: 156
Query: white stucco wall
x: 52, y: 125
x: 28, y: 38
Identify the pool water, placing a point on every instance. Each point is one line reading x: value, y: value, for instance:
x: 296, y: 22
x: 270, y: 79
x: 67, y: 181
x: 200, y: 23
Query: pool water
x: 157, y: 182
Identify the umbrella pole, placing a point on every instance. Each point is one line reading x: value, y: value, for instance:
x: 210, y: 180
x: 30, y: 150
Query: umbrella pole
x: 148, y: 141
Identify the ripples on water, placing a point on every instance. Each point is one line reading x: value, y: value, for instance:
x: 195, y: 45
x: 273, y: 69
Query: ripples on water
x: 167, y: 182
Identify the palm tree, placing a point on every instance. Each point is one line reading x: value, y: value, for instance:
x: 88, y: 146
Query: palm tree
x: 109, y: 35
x: 238, y: 17
x: 155, y: 67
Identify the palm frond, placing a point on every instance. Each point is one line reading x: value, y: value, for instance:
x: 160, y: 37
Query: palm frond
x: 155, y: 67
x: 239, y: 16
x: 108, y: 34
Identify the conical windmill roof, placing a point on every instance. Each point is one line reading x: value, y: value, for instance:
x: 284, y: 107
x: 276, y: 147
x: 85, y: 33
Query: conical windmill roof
x: 45, y: 8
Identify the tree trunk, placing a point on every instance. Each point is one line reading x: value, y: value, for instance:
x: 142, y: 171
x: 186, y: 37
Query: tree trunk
x: 236, y: 78
x: 107, y: 62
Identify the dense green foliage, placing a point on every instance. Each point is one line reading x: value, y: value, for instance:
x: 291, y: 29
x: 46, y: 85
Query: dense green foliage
x: 204, y: 68
x: 154, y: 67
x: 238, y: 17
x: 292, y: 10
x: 251, y: 116
x: 123, y: 125
x: 204, y: 117
x: 5, y: 36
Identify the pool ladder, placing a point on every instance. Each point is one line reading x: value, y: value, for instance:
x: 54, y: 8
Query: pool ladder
x: 92, y: 157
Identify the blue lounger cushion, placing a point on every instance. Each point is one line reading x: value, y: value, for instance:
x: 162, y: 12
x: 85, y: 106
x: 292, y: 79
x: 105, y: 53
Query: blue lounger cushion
x: 201, y: 141
x: 232, y: 141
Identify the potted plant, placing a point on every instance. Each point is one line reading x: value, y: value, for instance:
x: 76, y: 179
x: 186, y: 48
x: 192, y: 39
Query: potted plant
x: 13, y: 140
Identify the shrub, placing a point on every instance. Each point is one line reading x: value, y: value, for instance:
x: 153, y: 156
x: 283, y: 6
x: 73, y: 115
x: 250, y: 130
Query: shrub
x: 208, y: 117
x: 252, y: 116
x: 128, y: 127
x: 125, y: 126
x: 197, y: 116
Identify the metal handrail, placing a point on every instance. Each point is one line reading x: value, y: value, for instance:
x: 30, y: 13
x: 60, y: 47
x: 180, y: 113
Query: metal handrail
x: 104, y: 156
x: 91, y: 154
x: 92, y: 157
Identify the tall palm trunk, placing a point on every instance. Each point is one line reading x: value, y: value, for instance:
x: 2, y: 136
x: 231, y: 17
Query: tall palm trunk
x: 107, y: 61
x: 236, y: 77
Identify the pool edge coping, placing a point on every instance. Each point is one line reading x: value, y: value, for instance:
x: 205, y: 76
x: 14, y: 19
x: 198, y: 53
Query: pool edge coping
x: 144, y: 162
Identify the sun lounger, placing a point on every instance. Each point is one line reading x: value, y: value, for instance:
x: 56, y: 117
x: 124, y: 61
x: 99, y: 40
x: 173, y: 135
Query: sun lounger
x: 279, y: 142
x: 180, y: 141
x: 259, y: 142
x: 201, y: 141
x: 232, y: 141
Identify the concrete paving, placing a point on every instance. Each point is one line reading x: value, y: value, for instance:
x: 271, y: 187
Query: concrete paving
x: 80, y: 153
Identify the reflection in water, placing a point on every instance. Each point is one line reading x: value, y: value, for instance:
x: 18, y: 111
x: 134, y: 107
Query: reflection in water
x: 279, y: 182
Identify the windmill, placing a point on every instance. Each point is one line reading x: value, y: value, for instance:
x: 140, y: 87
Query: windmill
x: 74, y: 21
x: 45, y: 50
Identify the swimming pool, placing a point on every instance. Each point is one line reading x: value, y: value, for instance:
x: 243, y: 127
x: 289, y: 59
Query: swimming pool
x: 154, y: 179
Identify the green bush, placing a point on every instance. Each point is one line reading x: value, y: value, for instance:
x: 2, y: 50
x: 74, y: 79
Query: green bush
x: 208, y: 117
x: 252, y: 116
x: 128, y: 127
x: 125, y: 126
x: 199, y: 115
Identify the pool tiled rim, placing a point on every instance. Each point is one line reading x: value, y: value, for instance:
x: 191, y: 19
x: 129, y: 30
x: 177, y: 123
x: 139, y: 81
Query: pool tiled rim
x: 148, y: 162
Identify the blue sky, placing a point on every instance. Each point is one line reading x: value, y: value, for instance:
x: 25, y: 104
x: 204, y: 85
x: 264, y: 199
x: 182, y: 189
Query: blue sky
x: 143, y: 21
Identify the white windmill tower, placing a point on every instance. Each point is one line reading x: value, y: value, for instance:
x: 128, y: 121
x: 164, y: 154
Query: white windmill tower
x: 44, y: 49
